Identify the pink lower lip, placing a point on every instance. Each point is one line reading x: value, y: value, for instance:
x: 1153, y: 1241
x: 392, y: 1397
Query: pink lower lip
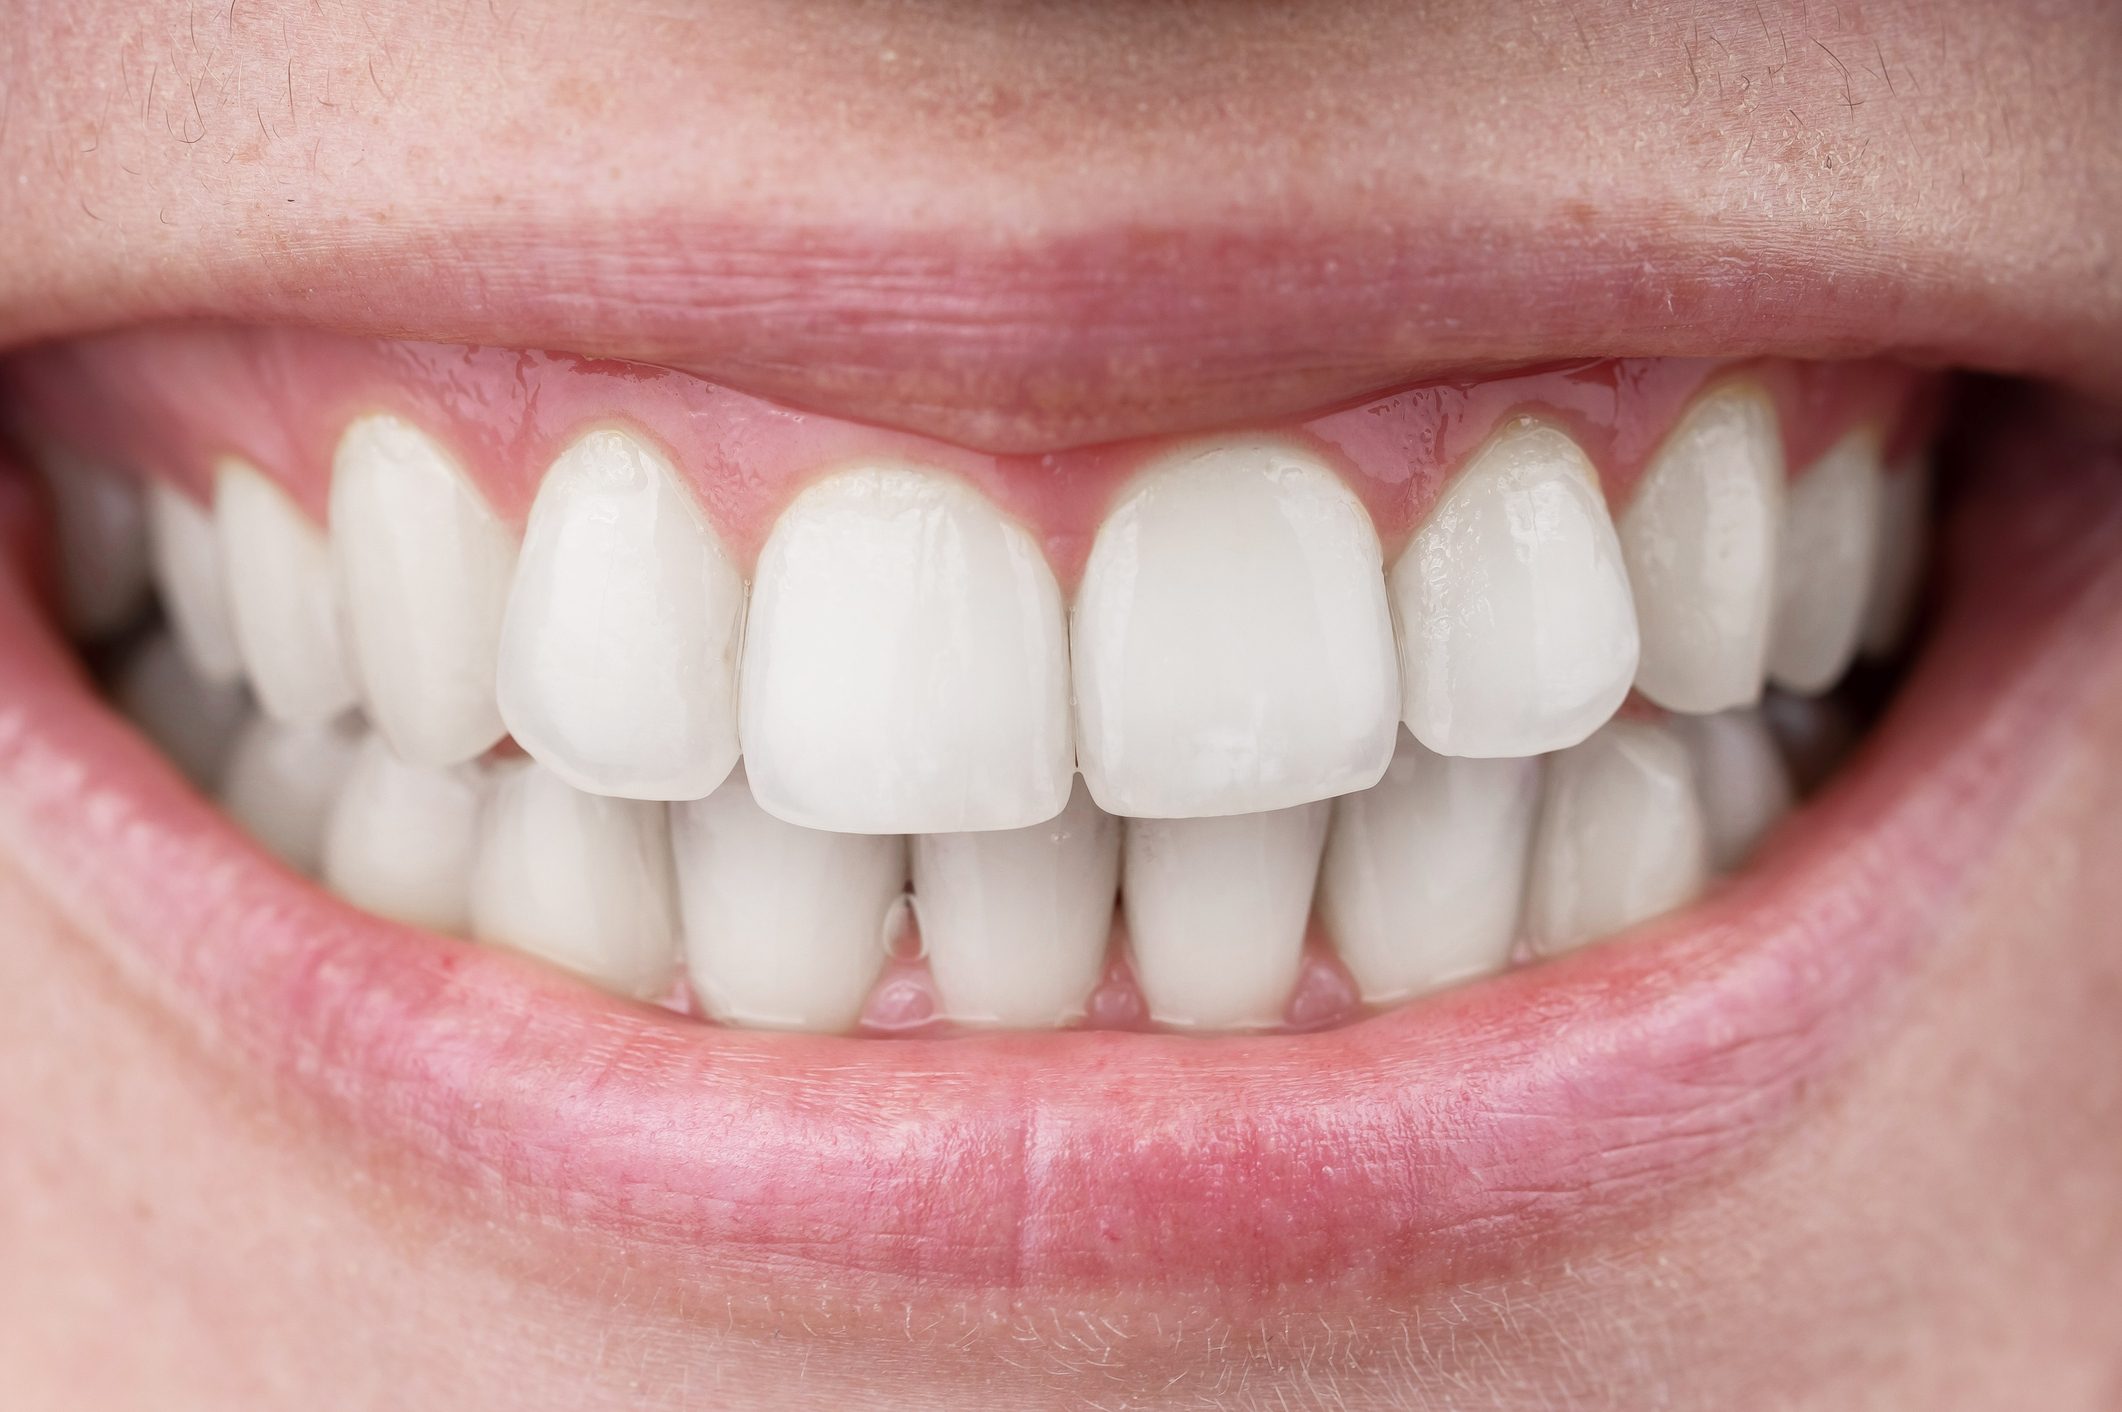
x: 1431, y: 1143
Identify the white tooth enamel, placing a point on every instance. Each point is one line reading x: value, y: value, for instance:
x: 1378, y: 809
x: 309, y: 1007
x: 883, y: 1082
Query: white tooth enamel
x: 1741, y: 779
x: 283, y: 780
x: 1897, y: 559
x: 101, y: 527
x: 618, y: 667
x: 906, y: 662
x: 279, y: 578
x: 582, y: 881
x: 401, y: 837
x: 783, y: 925
x: 1700, y: 540
x: 1517, y: 631
x: 1015, y: 921
x: 1621, y: 838
x: 422, y: 570
x: 1233, y: 645
x: 1216, y: 912
x: 187, y: 561
x: 191, y: 720
x: 1824, y: 565
x: 1425, y: 871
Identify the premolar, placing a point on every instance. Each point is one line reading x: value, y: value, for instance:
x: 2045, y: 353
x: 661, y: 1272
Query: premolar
x: 101, y: 525
x: 186, y: 555
x: 906, y: 662
x: 282, y: 781
x: 1233, y: 646
x: 192, y: 721
x: 1517, y: 632
x: 279, y: 578
x: 1824, y: 565
x: 1897, y: 562
x: 1745, y: 787
x: 401, y: 839
x: 618, y: 664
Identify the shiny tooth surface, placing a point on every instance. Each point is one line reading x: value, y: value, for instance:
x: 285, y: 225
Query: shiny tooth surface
x: 1517, y: 630
x: 186, y: 555
x: 784, y: 925
x: 1424, y: 873
x: 282, y: 781
x: 618, y: 663
x: 1700, y: 538
x: 401, y: 837
x: 422, y: 568
x: 101, y: 526
x: 905, y: 662
x: 1897, y: 559
x: 1233, y: 644
x: 582, y: 881
x: 279, y: 577
x: 1824, y: 565
x: 1744, y: 786
x: 1621, y: 837
x: 1216, y: 912
x: 191, y: 720
x: 1015, y: 921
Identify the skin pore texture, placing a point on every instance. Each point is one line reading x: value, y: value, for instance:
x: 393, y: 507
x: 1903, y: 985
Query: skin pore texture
x: 1025, y: 228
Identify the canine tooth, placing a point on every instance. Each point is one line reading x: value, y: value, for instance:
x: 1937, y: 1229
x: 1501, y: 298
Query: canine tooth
x: 1216, y: 911
x: 1897, y: 559
x: 618, y: 666
x: 101, y: 527
x: 186, y: 555
x: 1424, y: 872
x: 1015, y: 921
x: 422, y: 569
x: 191, y: 720
x: 1233, y: 644
x: 283, y: 780
x: 1740, y: 776
x: 401, y: 838
x: 1517, y: 631
x: 582, y: 881
x: 279, y: 578
x: 906, y: 662
x: 1824, y: 566
x: 783, y: 924
x: 1621, y: 837
x: 1700, y: 540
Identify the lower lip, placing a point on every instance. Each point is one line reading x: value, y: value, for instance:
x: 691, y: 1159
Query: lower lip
x: 1441, y: 1141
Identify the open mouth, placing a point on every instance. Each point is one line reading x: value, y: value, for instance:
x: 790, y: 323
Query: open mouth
x: 1410, y: 824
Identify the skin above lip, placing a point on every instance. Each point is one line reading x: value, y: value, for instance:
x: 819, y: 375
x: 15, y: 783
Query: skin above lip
x: 1437, y: 1142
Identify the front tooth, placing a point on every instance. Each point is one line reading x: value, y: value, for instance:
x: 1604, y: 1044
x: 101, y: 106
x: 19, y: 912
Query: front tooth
x: 280, y: 597
x: 1233, y: 644
x: 784, y: 925
x: 101, y: 527
x: 1425, y: 871
x: 283, y: 780
x: 400, y: 840
x: 618, y: 668
x: 906, y: 662
x: 579, y: 880
x: 1824, y: 567
x: 1621, y: 837
x: 1897, y: 562
x: 422, y: 569
x: 191, y: 720
x: 1700, y: 540
x: 187, y: 562
x: 1517, y: 631
x: 1744, y: 785
x: 1015, y: 921
x: 1216, y: 911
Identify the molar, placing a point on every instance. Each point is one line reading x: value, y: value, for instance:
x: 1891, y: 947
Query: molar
x: 1700, y: 539
x: 1517, y: 631
x: 401, y: 838
x: 906, y: 662
x: 280, y: 599
x: 1824, y: 565
x: 618, y: 658
x: 422, y: 569
x: 186, y: 555
x: 1233, y: 644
